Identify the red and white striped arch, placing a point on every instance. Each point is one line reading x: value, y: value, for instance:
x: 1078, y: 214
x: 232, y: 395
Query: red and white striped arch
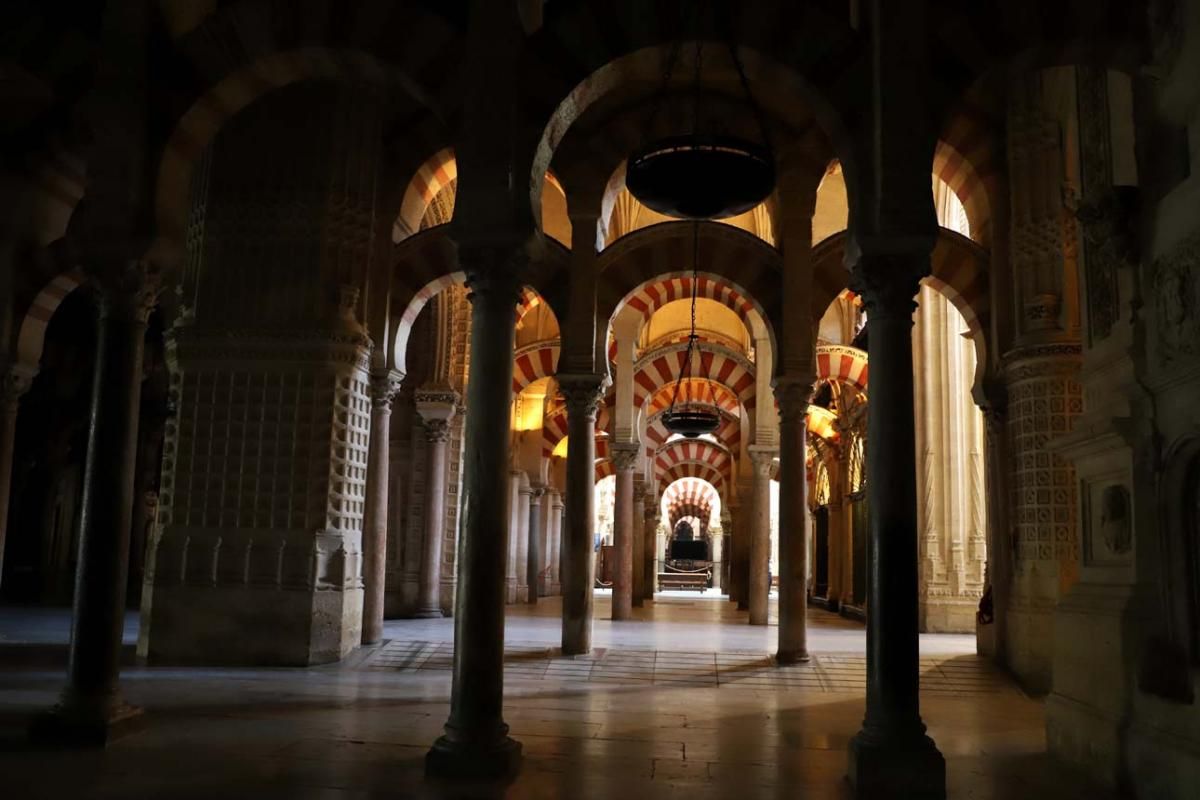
x: 532, y: 363
x: 691, y: 469
x: 718, y: 364
x: 32, y: 335
x: 690, y: 497
x: 694, y: 451
x: 438, y: 171
x: 654, y: 295
x: 836, y: 362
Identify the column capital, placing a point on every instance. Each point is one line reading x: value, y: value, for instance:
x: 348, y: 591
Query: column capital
x: 888, y: 281
x: 384, y: 386
x: 792, y: 395
x: 437, y: 430
x: 128, y: 289
x: 624, y: 455
x: 493, y: 270
x: 436, y: 403
x: 15, y: 380
x: 582, y: 391
x: 763, y: 458
x: 536, y: 490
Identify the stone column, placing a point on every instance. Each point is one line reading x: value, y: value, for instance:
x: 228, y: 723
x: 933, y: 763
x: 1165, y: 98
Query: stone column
x: 534, y: 567
x: 523, y: 539
x: 555, y: 541
x: 583, y: 393
x: 375, y: 512
x: 650, y: 543
x: 757, y: 587
x: 837, y: 544
x: 639, y: 543
x: 91, y: 710
x: 14, y: 383
x: 514, y: 502
x: 891, y: 749
x: 476, y: 742
x: 624, y: 456
x: 792, y: 396
x: 436, y: 406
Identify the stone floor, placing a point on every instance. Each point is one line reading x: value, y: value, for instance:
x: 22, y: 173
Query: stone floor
x: 682, y: 703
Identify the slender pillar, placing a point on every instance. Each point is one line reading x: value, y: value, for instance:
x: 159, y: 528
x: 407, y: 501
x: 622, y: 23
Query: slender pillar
x: 514, y: 503
x: 436, y: 406
x: 91, y: 710
x: 737, y: 539
x: 13, y: 383
x: 476, y: 742
x: 555, y: 541
x: 758, y: 589
x: 650, y: 543
x: 624, y: 456
x: 523, y: 539
x: 891, y: 756
x: 583, y: 394
x: 534, y: 568
x: 639, y: 543
x: 792, y: 396
x: 375, y: 513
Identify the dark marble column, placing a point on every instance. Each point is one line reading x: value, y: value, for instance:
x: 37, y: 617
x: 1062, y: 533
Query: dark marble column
x: 476, y: 742
x: 13, y: 383
x: 91, y: 710
x: 436, y: 406
x: 534, y: 565
x: 583, y: 394
x: 758, y: 586
x: 891, y: 756
x: 375, y: 514
x: 792, y: 396
x: 624, y: 458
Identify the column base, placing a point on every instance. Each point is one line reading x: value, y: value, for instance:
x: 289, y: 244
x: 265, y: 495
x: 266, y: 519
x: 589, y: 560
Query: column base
x: 903, y: 767
x: 473, y: 761
x: 85, y: 724
x: 428, y: 613
x: 786, y: 657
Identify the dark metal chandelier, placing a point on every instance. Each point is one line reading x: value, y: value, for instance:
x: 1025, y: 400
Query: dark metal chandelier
x: 688, y: 415
x: 702, y: 175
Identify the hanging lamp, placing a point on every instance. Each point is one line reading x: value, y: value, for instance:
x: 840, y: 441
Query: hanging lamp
x: 689, y: 416
x: 702, y: 175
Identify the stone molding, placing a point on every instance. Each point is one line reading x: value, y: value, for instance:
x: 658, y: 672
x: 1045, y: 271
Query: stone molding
x: 1041, y: 360
x: 272, y: 350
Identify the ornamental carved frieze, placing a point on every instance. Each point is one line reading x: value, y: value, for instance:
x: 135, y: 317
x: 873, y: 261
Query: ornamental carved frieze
x: 1176, y: 292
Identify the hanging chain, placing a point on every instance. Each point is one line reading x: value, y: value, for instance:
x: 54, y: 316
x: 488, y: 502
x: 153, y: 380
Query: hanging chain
x: 685, y: 370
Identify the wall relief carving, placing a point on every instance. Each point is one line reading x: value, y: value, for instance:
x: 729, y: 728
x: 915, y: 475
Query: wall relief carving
x: 1177, y: 298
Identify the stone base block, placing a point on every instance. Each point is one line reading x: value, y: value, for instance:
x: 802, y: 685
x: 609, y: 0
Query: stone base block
x: 472, y: 761
x: 786, y: 657
x: 894, y: 768
x: 427, y: 613
x: 83, y: 724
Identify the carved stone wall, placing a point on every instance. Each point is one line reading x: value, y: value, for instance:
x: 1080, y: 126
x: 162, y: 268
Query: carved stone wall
x: 1044, y: 398
x: 256, y: 556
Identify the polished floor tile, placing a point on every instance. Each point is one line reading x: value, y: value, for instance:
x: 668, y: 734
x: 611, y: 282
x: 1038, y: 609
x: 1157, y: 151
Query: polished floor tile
x: 683, y: 702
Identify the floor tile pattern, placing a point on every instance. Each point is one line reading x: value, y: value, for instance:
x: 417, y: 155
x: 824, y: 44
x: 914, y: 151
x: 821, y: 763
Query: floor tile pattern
x: 827, y: 672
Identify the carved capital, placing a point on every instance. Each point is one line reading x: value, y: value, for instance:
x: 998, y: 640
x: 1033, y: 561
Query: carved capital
x: 384, y: 386
x: 624, y: 455
x: 436, y: 403
x: 888, y: 282
x: 14, y: 382
x: 436, y: 430
x: 792, y: 395
x: 493, y: 271
x: 129, y: 290
x: 763, y: 459
x: 582, y: 393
